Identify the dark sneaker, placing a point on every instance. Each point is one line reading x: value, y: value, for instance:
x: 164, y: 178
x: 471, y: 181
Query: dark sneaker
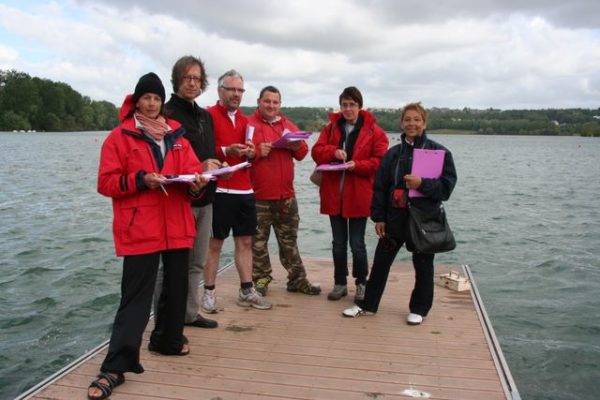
x: 359, y: 295
x: 338, y: 292
x: 262, y: 285
x: 305, y: 287
x: 201, y: 322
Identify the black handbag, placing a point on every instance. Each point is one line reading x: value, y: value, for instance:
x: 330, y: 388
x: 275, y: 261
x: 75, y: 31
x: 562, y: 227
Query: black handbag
x: 428, y: 231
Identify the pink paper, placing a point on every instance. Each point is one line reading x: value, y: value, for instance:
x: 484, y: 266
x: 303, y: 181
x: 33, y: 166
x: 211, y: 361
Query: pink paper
x: 291, y: 137
x: 426, y: 164
x: 332, y: 167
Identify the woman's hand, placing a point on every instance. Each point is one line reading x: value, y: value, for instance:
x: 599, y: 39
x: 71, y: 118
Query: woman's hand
x: 340, y: 155
x: 351, y: 165
x: 380, y: 229
x: 412, y: 181
x: 153, y: 180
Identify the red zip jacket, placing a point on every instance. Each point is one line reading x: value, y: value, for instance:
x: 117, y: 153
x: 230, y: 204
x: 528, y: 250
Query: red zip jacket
x: 147, y: 221
x: 273, y: 175
x: 226, y: 134
x: 350, y: 198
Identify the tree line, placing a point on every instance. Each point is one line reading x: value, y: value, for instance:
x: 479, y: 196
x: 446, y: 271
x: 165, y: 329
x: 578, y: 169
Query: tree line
x: 575, y: 121
x: 28, y: 103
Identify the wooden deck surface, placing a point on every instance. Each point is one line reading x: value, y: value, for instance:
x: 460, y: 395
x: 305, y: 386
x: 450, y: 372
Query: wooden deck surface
x: 304, y: 349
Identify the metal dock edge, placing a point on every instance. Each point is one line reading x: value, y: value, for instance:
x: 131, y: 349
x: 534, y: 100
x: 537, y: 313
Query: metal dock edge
x: 81, y: 360
x: 508, y: 383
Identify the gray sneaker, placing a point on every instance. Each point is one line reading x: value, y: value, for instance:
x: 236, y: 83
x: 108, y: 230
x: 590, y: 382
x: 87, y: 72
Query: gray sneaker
x: 338, y: 292
x: 359, y: 295
x: 209, y: 301
x: 253, y: 299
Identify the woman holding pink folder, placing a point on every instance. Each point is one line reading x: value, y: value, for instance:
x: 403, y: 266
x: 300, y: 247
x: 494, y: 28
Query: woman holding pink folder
x: 389, y: 211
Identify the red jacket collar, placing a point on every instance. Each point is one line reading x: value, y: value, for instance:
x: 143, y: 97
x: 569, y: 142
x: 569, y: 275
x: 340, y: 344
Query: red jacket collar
x: 221, y: 108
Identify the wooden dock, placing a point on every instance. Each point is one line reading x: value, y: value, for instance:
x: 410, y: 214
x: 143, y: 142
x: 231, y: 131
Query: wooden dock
x: 304, y: 349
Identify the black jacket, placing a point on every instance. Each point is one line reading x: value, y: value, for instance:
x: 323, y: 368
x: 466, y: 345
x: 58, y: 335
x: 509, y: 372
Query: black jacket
x: 199, y: 129
x: 399, y: 159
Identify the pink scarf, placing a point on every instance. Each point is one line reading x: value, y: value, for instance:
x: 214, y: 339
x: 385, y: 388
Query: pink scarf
x: 157, y: 128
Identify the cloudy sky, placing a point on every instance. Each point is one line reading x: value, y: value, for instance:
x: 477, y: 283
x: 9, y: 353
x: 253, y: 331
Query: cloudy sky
x: 459, y: 53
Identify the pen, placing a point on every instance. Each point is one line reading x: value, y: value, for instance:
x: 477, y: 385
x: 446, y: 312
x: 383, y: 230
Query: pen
x: 161, y: 185
x: 163, y: 189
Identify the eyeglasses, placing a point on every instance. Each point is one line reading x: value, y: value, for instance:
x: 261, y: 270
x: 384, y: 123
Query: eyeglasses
x: 348, y: 105
x: 233, y: 89
x: 191, y: 78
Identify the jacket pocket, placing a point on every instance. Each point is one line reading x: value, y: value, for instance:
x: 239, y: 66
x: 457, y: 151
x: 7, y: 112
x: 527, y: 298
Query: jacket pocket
x: 138, y: 220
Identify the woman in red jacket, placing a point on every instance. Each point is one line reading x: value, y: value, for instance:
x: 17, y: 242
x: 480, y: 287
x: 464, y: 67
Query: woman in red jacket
x: 352, y: 136
x: 149, y: 224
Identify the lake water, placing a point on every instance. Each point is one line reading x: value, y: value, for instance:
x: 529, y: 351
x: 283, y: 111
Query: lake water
x: 525, y: 213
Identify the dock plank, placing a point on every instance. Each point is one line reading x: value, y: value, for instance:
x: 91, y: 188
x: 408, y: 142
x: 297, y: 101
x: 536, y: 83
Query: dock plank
x: 304, y: 349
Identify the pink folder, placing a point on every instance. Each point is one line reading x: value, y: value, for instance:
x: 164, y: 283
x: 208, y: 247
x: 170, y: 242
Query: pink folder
x: 332, y: 167
x: 426, y: 164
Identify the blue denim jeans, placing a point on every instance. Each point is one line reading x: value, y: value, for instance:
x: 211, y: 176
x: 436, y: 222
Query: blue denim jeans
x: 351, y: 230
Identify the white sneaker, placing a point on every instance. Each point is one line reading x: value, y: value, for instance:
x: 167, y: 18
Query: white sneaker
x: 209, y: 301
x: 414, y: 319
x: 253, y: 299
x: 355, y: 311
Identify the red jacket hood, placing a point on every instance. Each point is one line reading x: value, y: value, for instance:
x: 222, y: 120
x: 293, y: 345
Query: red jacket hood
x: 126, y: 107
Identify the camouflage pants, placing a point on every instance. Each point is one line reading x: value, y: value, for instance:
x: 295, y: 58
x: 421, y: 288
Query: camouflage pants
x: 283, y: 216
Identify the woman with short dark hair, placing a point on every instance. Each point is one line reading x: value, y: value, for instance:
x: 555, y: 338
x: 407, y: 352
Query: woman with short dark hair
x: 351, y: 137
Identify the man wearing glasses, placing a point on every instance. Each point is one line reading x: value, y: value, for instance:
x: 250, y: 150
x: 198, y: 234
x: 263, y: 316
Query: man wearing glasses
x: 235, y: 206
x: 189, y: 81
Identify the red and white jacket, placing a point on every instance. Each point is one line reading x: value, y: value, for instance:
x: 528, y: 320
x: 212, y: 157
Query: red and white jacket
x: 273, y: 175
x: 147, y: 221
x: 226, y: 133
x: 350, y: 197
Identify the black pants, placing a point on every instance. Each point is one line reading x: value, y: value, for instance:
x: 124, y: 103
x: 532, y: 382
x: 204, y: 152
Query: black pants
x: 137, y: 288
x: 421, y: 298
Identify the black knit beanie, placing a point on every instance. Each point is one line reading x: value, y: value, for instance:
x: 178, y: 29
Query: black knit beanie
x: 149, y: 83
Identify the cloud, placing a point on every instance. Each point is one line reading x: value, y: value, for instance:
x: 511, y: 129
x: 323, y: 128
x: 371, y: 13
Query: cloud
x: 8, y: 55
x: 479, y: 54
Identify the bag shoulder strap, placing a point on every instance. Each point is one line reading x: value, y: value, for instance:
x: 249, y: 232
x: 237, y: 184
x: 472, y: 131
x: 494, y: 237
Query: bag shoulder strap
x: 397, y: 165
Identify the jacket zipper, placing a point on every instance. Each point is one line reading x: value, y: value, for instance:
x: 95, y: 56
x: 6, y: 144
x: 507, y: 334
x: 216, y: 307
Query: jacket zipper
x: 133, y: 216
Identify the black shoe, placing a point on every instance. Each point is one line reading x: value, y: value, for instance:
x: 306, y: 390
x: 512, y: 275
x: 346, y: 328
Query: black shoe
x: 201, y: 322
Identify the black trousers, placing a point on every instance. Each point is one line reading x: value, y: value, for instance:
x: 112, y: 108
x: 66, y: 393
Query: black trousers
x: 421, y: 298
x: 137, y: 288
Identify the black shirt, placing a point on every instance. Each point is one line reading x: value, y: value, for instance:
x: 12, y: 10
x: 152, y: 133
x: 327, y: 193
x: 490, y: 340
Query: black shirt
x: 199, y: 131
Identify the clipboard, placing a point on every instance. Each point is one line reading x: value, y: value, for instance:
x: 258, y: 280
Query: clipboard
x: 426, y: 164
x: 211, y: 175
